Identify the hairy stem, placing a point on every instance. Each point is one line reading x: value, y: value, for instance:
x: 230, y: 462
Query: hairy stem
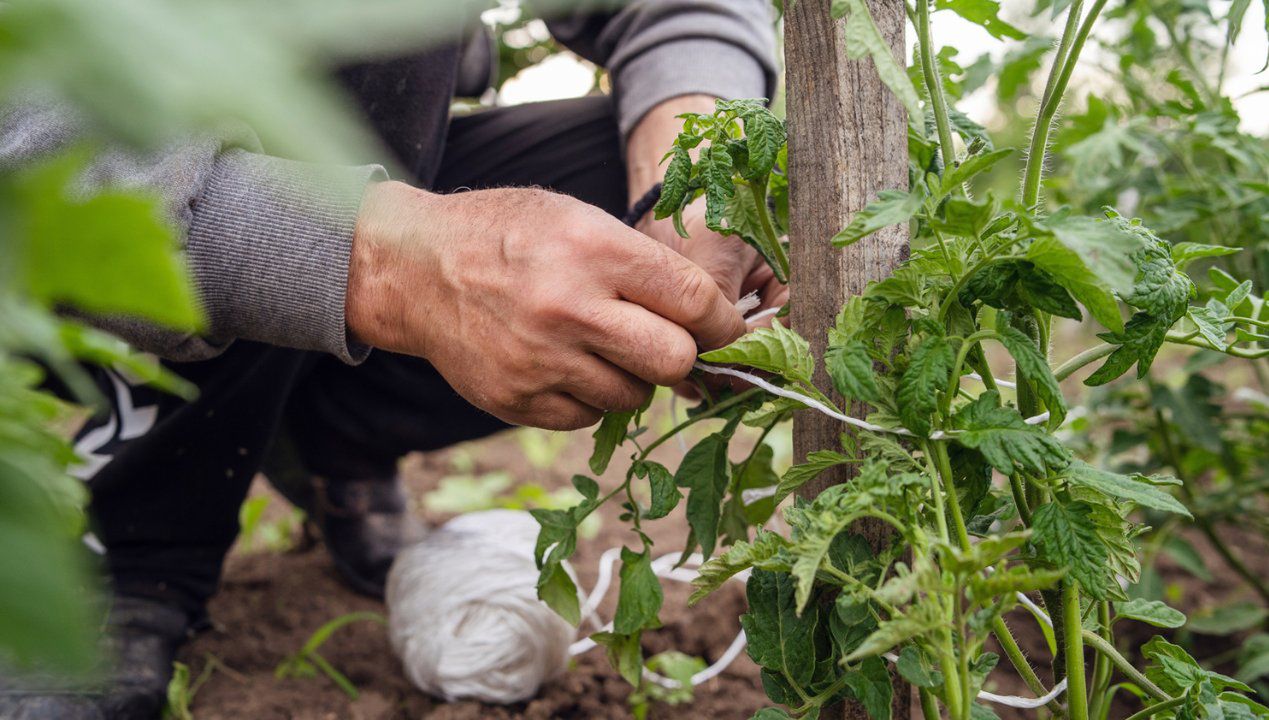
x: 1098, y: 643
x: 1020, y: 663
x: 1076, y: 688
x: 1156, y: 708
x: 1101, y: 666
x: 933, y: 85
x: 768, y: 229
x: 1087, y: 357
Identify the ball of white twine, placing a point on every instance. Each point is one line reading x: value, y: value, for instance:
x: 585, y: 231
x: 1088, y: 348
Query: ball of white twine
x: 463, y: 612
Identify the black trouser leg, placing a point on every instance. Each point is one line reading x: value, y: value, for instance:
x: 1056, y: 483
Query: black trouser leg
x: 356, y: 422
x: 165, y: 502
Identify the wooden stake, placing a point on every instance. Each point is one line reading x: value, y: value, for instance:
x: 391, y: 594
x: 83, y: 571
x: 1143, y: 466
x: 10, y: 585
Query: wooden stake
x: 847, y: 141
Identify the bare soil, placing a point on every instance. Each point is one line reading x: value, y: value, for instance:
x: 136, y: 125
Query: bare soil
x: 270, y: 603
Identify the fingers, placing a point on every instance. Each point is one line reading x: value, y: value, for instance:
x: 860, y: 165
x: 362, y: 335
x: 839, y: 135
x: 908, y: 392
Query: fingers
x: 555, y: 411
x: 642, y: 343
x: 599, y: 384
x: 671, y: 286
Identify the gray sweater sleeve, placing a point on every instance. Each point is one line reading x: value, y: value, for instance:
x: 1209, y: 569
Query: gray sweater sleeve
x: 659, y: 49
x: 267, y: 240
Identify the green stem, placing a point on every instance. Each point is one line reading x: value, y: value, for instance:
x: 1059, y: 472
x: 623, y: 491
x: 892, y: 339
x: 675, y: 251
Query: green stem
x: 1101, y: 666
x: 933, y: 84
x: 1099, y: 644
x: 1087, y: 357
x: 929, y: 706
x: 712, y: 412
x: 966, y: 694
x: 1018, y: 488
x: 1048, y: 108
x: 936, y: 491
x: 1156, y: 708
x: 1012, y: 651
x: 944, y: 465
x: 773, y: 239
x: 1076, y: 688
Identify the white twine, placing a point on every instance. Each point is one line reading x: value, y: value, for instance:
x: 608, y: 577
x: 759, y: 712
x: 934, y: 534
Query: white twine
x: 825, y: 409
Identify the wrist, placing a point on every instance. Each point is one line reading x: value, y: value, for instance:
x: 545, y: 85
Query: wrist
x: 386, y: 219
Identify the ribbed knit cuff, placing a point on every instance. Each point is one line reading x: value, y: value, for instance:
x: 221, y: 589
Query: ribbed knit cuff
x: 269, y: 247
x: 685, y: 67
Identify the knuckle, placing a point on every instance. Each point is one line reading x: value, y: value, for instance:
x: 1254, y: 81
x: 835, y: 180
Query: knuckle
x: 696, y: 295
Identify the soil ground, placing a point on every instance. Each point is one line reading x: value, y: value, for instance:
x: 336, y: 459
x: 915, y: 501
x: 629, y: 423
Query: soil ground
x: 271, y: 602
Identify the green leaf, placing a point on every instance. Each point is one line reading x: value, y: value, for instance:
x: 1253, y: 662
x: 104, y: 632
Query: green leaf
x: 917, y: 669
x: 851, y: 369
x: 1092, y: 258
x: 985, y: 14
x: 639, y: 599
x: 921, y: 619
x: 928, y: 373
x: 764, y: 136
x: 972, y: 166
x: 864, y: 39
x: 1184, y: 253
x: 890, y: 208
x: 775, y: 349
x: 871, y: 686
x: 665, y: 496
x: 1139, y: 342
x: 779, y: 639
x: 559, y: 592
x: 1006, y: 440
x: 674, y: 187
x: 704, y: 473
x: 624, y: 654
x: 1122, y: 487
x: 716, y: 167
x: 90, y: 253
x: 1152, y: 612
x: 817, y: 461
x: 1034, y: 369
x: 1064, y: 535
x: 610, y: 433
x: 765, y: 548
x: 1173, y: 670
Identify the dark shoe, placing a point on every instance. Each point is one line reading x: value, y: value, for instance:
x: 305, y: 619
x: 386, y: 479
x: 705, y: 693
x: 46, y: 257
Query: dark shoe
x: 364, y: 523
x: 141, y: 639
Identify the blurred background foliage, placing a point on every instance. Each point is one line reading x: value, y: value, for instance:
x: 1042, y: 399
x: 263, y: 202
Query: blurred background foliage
x: 1157, y: 128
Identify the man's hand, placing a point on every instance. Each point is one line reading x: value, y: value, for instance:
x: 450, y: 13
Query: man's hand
x: 536, y: 307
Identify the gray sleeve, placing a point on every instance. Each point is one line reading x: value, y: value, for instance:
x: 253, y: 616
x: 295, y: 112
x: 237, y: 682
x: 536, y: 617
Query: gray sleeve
x: 267, y: 240
x: 659, y: 49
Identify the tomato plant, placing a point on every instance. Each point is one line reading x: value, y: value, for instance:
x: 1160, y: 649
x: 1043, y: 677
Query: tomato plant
x: 990, y: 504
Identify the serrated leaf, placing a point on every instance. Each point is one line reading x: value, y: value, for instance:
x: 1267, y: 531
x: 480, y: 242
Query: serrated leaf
x: 1211, y: 324
x: 775, y: 349
x: 1152, y: 612
x: 1064, y: 535
x: 557, y: 589
x: 778, y: 638
x: 985, y: 14
x: 715, y: 171
x: 1006, y: 440
x: 765, y: 547
x: 1139, y: 342
x: 850, y: 368
x: 1175, y: 671
x: 624, y: 654
x: 610, y: 433
x: 1034, y: 368
x: 929, y: 371
x: 914, y: 667
x: 665, y: 495
x: 1184, y: 253
x: 871, y: 686
x: 764, y: 136
x: 921, y: 619
x: 972, y: 166
x: 639, y: 599
x: 674, y: 188
x: 890, y: 208
x: 1123, y: 487
x: 704, y: 473
x: 1092, y: 259
x: 816, y: 463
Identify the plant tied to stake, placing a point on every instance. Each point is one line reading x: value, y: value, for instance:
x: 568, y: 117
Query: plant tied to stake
x: 827, y: 612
